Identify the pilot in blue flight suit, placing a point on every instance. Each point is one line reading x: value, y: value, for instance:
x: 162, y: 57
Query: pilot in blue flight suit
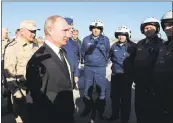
x: 122, y: 55
x: 95, y: 51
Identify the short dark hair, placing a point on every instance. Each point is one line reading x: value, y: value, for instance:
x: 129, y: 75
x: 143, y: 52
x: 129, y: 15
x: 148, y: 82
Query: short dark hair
x: 75, y: 30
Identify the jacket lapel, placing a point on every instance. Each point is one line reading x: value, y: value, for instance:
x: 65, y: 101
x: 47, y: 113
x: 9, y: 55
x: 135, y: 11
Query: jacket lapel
x: 71, y: 68
x: 56, y: 59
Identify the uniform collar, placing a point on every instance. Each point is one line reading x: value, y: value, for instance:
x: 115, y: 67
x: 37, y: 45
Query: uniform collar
x: 152, y: 40
x: 122, y: 44
x: 76, y: 39
x: 23, y: 42
x: 71, y: 41
x: 95, y: 38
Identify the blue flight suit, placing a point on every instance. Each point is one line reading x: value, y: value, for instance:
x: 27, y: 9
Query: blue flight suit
x: 72, y: 50
x: 79, y: 43
x: 72, y: 53
x: 95, y: 53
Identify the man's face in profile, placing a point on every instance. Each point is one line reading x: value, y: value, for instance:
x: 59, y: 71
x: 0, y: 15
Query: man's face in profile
x: 29, y: 35
x: 60, y: 32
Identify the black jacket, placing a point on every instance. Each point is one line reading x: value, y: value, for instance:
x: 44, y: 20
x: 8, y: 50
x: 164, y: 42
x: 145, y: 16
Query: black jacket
x: 50, y: 87
x: 129, y: 61
x: 145, y: 58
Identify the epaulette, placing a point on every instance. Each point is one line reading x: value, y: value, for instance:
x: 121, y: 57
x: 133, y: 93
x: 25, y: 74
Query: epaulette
x: 11, y: 43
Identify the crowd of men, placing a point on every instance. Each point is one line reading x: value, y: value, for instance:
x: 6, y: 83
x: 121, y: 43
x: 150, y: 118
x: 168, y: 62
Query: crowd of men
x: 40, y: 79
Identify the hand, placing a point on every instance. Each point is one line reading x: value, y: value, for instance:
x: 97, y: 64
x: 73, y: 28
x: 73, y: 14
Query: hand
x: 18, y: 93
x: 76, y: 79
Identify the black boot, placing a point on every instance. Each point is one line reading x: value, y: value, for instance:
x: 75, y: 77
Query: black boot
x: 93, y: 112
x: 88, y: 106
x: 101, y: 103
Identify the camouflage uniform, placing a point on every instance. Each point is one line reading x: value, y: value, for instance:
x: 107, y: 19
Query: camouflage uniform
x: 16, y: 58
x: 17, y: 55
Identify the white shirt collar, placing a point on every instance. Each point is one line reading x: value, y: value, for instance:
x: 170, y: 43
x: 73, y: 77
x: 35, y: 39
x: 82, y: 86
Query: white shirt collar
x: 53, y: 47
x: 56, y: 50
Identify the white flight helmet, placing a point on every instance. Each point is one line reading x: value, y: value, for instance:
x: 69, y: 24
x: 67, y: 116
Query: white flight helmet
x: 96, y: 23
x: 167, y: 18
x: 150, y: 21
x: 123, y: 30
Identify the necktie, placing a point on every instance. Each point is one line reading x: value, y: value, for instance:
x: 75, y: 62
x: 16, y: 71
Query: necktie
x: 62, y: 57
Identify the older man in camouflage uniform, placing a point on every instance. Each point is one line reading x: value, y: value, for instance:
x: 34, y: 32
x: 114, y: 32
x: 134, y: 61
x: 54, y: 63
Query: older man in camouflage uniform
x: 16, y: 57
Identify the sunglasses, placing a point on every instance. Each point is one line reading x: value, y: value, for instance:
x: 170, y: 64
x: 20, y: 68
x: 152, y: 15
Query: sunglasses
x: 32, y: 31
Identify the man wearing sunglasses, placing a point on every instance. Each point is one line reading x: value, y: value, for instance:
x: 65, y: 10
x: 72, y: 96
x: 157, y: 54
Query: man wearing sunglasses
x: 17, y: 55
